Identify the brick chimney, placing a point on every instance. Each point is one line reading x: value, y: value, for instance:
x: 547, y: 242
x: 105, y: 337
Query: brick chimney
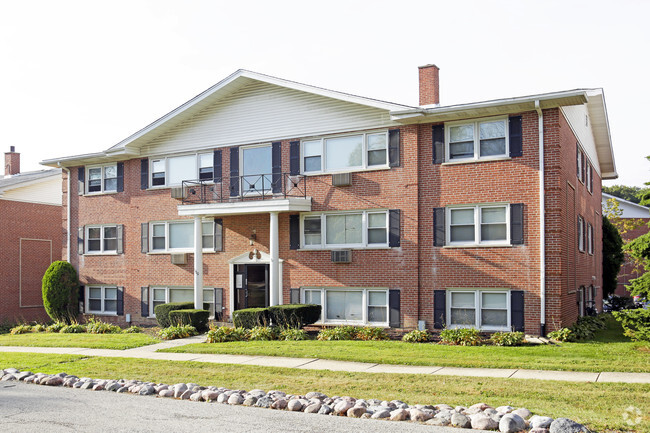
x: 429, y: 85
x: 12, y: 162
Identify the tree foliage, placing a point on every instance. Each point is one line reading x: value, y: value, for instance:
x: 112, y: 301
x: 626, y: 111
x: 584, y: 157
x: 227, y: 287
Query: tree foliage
x: 639, y: 250
x: 612, y: 256
x: 630, y: 193
x: 60, y: 291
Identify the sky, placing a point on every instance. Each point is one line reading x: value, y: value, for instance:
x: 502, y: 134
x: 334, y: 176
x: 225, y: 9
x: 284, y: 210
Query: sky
x: 79, y: 76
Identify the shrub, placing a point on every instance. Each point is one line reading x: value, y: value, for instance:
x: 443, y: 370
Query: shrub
x: 262, y: 333
x: 636, y: 323
x: 21, y: 329
x: 175, y: 332
x: 562, y: 334
x: 5, y: 328
x: 368, y: 333
x: 73, y: 328
x: 224, y: 334
x: 586, y: 326
x: 195, y: 318
x: 461, y: 336
x: 60, y: 290
x: 251, y: 317
x: 507, y: 338
x: 338, y: 333
x: 55, y: 327
x: 294, y: 315
x: 416, y: 336
x: 291, y: 334
x: 162, y: 311
x: 95, y: 326
x: 132, y: 330
x: 39, y: 328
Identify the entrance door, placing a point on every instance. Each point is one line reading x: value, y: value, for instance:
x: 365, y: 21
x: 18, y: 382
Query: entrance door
x: 251, y: 286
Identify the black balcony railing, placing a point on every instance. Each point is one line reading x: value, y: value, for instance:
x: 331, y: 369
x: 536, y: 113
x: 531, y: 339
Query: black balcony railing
x: 242, y: 188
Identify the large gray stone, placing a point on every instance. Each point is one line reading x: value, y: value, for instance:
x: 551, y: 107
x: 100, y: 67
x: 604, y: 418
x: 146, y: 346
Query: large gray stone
x: 438, y: 421
x: 314, y: 394
x: 313, y: 408
x: 420, y: 415
x: 481, y: 421
x: 235, y: 399
x: 87, y: 385
x: 54, y: 381
x: 381, y: 414
x: 294, y: 405
x: 196, y: 396
x: 147, y: 390
x: 356, y: 411
x: 399, y: 415
x: 325, y: 409
x: 265, y: 402
x: 186, y: 395
x: 537, y: 421
x: 523, y: 412
x: 166, y: 393
x: 279, y: 404
x: 511, y: 423
x: 179, y: 389
x: 341, y: 408
x: 460, y: 420
x: 565, y: 425
x: 250, y: 401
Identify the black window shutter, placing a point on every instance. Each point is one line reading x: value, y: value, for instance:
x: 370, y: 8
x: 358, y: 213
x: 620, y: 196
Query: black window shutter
x: 82, y: 299
x: 120, y: 238
x: 393, y: 148
x: 515, y: 136
x: 517, y: 224
x: 120, y: 301
x: 80, y: 240
x: 234, y: 171
x: 218, y: 234
x: 394, y: 228
x: 294, y: 158
x: 578, y: 160
x: 517, y: 310
x: 81, y: 175
x: 439, y: 227
x: 218, y: 304
x: 144, y: 301
x: 393, y: 308
x: 216, y: 165
x: 294, y: 232
x: 276, y: 166
x: 120, y: 176
x: 439, y: 309
x: 438, y: 144
x: 144, y: 173
x: 144, y: 237
x: 295, y: 296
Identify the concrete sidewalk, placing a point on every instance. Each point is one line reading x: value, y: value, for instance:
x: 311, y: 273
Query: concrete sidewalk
x: 150, y: 352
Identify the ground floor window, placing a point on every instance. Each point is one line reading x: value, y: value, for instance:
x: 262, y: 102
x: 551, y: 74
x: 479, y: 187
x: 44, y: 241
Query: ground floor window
x: 486, y: 309
x: 101, y: 299
x: 164, y: 295
x: 350, y: 305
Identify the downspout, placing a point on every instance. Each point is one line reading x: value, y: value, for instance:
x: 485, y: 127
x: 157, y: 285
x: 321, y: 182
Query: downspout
x: 542, y: 224
x: 67, y: 248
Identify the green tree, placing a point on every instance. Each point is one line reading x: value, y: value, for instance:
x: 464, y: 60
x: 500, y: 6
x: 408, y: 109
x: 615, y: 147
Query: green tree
x: 639, y: 250
x: 60, y: 291
x: 612, y: 256
x: 629, y: 193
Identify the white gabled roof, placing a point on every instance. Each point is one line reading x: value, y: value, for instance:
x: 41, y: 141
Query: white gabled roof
x: 27, y: 178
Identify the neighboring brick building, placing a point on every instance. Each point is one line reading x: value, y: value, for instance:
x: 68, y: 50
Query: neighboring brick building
x: 30, y: 238
x: 385, y: 214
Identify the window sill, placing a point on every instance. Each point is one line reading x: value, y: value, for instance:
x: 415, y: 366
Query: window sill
x: 359, y: 170
x: 99, y: 313
x: 94, y: 194
x: 480, y: 246
x: 482, y: 329
x: 101, y: 254
x: 345, y: 248
x: 351, y: 323
x: 159, y: 253
x: 473, y: 161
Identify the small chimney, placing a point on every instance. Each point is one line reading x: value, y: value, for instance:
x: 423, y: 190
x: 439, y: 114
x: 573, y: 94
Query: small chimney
x: 429, y: 85
x: 12, y: 162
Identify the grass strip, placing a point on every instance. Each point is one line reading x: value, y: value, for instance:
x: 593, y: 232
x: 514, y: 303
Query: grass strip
x: 89, y: 341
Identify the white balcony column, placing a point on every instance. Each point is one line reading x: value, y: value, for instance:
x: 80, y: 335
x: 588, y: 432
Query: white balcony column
x: 274, y: 271
x: 198, y: 263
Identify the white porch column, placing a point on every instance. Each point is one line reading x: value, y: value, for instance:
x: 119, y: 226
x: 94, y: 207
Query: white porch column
x: 274, y: 271
x: 198, y: 263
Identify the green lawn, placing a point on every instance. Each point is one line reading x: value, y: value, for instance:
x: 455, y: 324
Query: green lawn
x: 89, y: 341
x: 609, y: 351
x: 598, y: 405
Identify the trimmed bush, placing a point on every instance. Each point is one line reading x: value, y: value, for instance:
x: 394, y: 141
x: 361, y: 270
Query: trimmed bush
x: 371, y: 334
x: 636, y: 323
x: 338, y: 333
x: 294, y: 315
x: 73, y: 328
x: 291, y: 334
x: 195, y: 318
x: 175, y: 332
x: 507, y: 338
x: 162, y: 311
x: 60, y: 290
x: 416, y: 336
x: 251, y: 317
x: 262, y: 333
x: 132, y: 330
x: 225, y: 334
x: 461, y: 336
x: 21, y: 329
x: 95, y: 326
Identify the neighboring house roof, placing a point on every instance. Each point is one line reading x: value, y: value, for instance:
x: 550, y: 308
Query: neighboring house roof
x: 628, y: 208
x: 395, y: 113
x: 23, y: 179
x: 42, y: 186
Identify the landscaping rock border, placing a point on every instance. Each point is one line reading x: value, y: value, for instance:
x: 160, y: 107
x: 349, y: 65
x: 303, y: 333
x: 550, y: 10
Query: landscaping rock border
x: 480, y: 416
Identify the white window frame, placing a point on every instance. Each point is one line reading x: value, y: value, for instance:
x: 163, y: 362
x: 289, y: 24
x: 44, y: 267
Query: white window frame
x: 364, y: 230
x: 588, y: 182
x: 581, y: 234
x: 477, y: 224
x: 580, y: 163
x: 478, y: 299
x: 103, y: 189
x: 269, y: 186
x: 165, y: 160
x: 364, y: 153
x: 101, y: 228
x: 477, y: 142
x: 364, y: 307
x: 167, y: 296
x: 102, y: 311
x: 167, y: 249
x: 590, y: 239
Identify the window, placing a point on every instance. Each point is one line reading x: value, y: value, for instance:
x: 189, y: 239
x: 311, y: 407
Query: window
x: 485, y: 224
x: 590, y: 238
x: 588, y: 174
x: 345, y: 153
x: 350, y: 229
x: 164, y: 295
x: 350, y: 305
x: 256, y: 169
x: 581, y: 234
x: 101, y: 239
x: 179, y: 236
x: 173, y: 170
x: 101, y: 299
x: 477, y: 140
x: 484, y: 309
x: 102, y: 179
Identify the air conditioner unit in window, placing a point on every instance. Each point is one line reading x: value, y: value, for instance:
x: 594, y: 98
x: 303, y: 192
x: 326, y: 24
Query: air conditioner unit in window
x: 342, y: 179
x: 179, y: 259
x: 177, y: 192
x: 341, y: 256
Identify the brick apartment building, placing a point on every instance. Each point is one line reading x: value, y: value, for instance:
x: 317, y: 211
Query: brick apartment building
x: 261, y: 191
x: 29, y: 240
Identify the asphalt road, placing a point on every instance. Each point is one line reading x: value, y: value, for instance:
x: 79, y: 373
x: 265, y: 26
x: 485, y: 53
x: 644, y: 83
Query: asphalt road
x: 34, y: 408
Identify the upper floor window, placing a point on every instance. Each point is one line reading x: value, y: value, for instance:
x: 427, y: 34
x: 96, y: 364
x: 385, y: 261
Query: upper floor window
x: 346, y: 229
x: 179, y: 236
x: 102, y: 179
x: 173, y: 170
x: 590, y: 238
x: 484, y: 224
x: 345, y: 153
x: 101, y: 239
x: 477, y: 140
x: 581, y: 234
